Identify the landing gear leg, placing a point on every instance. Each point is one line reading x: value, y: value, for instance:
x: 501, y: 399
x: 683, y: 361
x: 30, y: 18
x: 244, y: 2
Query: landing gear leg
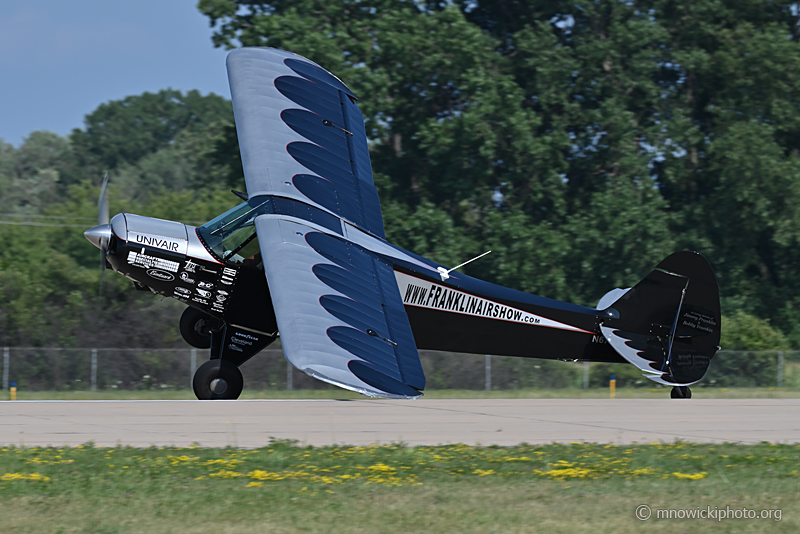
x: 681, y: 392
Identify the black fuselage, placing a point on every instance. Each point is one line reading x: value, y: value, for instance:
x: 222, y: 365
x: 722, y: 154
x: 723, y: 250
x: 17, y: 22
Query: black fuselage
x: 457, y: 314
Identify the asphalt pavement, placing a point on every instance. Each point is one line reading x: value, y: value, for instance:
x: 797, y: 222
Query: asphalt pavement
x: 253, y: 423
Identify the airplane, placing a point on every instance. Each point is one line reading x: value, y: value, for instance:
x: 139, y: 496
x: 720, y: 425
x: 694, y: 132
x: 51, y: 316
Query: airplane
x: 304, y: 257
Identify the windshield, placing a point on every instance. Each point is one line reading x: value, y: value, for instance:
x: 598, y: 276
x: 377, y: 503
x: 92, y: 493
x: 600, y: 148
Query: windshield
x: 232, y: 236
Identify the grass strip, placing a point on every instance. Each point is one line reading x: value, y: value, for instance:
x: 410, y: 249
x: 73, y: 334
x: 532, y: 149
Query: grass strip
x: 394, y: 488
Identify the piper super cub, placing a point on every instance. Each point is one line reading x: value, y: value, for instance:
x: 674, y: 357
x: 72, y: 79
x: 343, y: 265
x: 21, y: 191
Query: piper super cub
x: 305, y: 257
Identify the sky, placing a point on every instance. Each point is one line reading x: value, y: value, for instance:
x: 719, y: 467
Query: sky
x: 60, y: 59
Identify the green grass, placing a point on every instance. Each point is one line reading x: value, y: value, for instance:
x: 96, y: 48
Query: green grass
x: 336, y: 393
x: 455, y: 488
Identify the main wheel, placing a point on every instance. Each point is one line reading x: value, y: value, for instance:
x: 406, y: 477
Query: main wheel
x: 218, y: 379
x: 196, y: 327
x: 681, y: 392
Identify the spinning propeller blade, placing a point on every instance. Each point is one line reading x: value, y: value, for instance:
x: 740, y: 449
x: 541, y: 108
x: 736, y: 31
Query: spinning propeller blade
x: 103, y: 218
x: 102, y: 203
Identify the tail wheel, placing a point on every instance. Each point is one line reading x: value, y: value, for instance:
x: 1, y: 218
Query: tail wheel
x: 681, y: 392
x: 196, y: 326
x: 218, y: 380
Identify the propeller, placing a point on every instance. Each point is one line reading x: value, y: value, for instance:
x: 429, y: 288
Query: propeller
x: 102, y: 203
x: 100, y: 235
x: 103, y: 219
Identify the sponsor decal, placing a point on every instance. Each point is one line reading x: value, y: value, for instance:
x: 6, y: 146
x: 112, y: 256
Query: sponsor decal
x: 190, y: 266
x: 165, y: 243
x: 186, y: 278
x: 183, y: 290
x: 699, y: 321
x: 203, y: 293
x: 205, y: 285
x: 690, y: 359
x: 422, y: 294
x: 158, y: 274
x: 228, y: 276
x: 221, y: 298
x: 200, y: 301
x: 241, y: 341
x: 141, y: 259
x: 234, y: 347
x: 223, y: 293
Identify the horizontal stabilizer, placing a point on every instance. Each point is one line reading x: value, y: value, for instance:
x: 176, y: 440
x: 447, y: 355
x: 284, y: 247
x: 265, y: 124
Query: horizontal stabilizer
x: 611, y: 297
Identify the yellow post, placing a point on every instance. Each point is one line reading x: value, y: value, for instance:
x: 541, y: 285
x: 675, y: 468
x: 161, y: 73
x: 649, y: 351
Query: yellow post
x: 612, y: 387
x: 13, y: 390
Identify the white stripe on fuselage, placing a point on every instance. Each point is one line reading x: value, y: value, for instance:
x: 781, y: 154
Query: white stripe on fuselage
x: 424, y: 294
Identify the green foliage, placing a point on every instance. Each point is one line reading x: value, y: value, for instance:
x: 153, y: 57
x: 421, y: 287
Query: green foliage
x: 742, y: 331
x: 130, y: 129
x: 742, y: 369
x: 29, y: 175
x: 757, y: 366
x: 618, y: 132
x: 49, y: 275
x: 623, y: 131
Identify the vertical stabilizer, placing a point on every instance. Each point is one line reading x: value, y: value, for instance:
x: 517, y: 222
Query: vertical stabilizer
x: 668, y: 325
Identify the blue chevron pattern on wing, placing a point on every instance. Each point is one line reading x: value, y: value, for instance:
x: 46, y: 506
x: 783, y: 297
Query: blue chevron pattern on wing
x: 349, y: 310
x: 370, y: 349
x: 320, y: 99
x: 341, y: 280
x: 293, y: 115
x: 306, y: 124
x: 316, y: 73
x: 378, y: 331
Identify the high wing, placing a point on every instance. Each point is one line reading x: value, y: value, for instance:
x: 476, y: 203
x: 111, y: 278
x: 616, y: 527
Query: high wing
x: 301, y: 135
x: 339, y: 312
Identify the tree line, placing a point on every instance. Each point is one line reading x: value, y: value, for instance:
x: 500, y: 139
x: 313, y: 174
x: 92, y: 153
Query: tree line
x: 582, y: 142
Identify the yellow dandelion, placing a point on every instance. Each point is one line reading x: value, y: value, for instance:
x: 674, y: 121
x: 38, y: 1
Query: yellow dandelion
x: 686, y: 476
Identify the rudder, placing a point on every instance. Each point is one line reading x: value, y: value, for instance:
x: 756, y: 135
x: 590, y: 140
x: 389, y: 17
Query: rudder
x: 668, y: 325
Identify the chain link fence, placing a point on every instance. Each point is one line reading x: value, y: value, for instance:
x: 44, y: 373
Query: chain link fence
x: 64, y: 369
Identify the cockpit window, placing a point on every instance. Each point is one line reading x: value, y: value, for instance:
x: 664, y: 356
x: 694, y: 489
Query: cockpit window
x: 232, y: 235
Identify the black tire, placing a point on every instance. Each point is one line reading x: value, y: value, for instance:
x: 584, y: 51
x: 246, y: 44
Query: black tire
x: 196, y: 326
x: 681, y: 392
x: 218, y: 380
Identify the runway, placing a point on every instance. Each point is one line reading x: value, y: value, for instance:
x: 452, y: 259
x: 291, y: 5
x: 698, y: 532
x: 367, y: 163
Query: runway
x: 252, y: 423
